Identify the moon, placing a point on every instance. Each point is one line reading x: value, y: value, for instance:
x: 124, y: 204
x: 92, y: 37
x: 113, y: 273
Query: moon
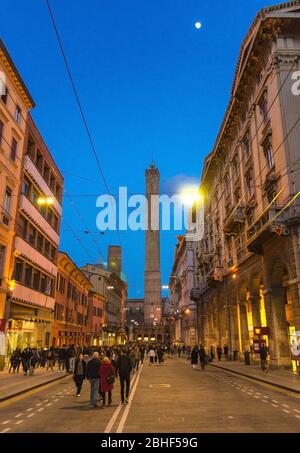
x: 198, y: 25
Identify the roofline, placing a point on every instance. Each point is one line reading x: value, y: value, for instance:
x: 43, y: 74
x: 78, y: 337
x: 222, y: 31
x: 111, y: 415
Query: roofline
x: 15, y: 70
x: 60, y: 252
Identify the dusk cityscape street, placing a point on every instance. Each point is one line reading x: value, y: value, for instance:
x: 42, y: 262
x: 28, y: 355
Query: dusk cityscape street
x: 149, y: 222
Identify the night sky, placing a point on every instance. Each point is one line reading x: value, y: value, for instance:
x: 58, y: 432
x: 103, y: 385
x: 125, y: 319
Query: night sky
x: 152, y: 86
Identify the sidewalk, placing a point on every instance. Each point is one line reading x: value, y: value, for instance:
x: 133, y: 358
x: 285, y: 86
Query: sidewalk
x: 14, y: 384
x: 284, y: 379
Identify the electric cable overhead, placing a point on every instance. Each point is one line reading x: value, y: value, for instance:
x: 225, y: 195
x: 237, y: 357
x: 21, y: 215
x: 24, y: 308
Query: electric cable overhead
x: 75, y: 91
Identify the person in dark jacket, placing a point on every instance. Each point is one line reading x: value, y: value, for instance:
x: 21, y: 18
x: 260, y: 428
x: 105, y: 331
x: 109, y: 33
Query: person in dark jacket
x: 226, y: 351
x: 93, y: 373
x: 123, y: 370
x: 194, y: 356
x: 202, y: 356
x: 26, y: 356
x: 160, y: 355
x: 263, y: 356
x: 62, y: 358
x: 107, y: 373
x: 219, y: 352
x: 79, y: 373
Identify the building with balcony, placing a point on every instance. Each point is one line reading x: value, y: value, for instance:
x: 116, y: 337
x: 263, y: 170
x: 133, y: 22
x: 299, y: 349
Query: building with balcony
x: 247, y: 280
x: 15, y: 102
x: 96, y: 319
x: 183, y: 308
x: 36, y: 242
x: 72, y: 324
x: 110, y: 285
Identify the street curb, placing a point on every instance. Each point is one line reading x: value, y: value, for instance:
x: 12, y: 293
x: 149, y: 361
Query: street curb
x: 257, y: 379
x: 22, y: 392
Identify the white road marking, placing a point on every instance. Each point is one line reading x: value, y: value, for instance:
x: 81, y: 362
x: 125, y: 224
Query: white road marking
x: 296, y: 410
x: 6, y: 421
x: 297, y: 416
x: 274, y: 405
x: 285, y: 405
x: 46, y: 401
x: 256, y: 397
x: 56, y: 400
x: 59, y: 393
x: 115, y: 415
x: 5, y: 430
x: 30, y: 409
x: 264, y: 401
x: 257, y: 393
x: 284, y: 410
x: 126, y: 412
x: 19, y: 415
x: 266, y: 397
x: 49, y: 404
x: 243, y: 390
x: 249, y: 393
x: 38, y: 404
x: 20, y: 421
x: 274, y: 401
x: 30, y: 415
x: 40, y: 409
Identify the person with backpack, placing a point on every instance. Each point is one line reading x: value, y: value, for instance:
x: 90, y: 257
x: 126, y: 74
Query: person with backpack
x: 50, y: 359
x: 194, y: 357
x: 219, y: 352
x: 107, y: 379
x: 26, y: 356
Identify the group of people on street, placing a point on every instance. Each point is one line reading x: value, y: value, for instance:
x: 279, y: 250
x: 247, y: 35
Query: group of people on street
x: 32, y: 358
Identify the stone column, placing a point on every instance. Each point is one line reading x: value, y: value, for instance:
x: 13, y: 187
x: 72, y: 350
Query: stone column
x: 276, y: 320
x: 255, y: 308
x: 234, y: 328
x: 244, y: 327
x: 294, y: 292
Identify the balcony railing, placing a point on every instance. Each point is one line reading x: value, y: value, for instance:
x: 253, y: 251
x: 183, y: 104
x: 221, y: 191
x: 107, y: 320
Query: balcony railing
x: 264, y: 229
x: 235, y: 219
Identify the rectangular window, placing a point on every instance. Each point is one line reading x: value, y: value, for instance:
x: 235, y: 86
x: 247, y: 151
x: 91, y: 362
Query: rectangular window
x: 2, y: 258
x: 264, y: 110
x: 249, y: 182
x: 40, y: 242
x: 23, y: 227
x: 55, y: 222
x: 43, y: 283
x: 18, y: 114
x: 47, y: 247
x: 1, y: 131
x: 18, y: 271
x: 28, y: 276
x: 4, y: 96
x: 36, y: 280
x: 26, y: 187
x: 31, y: 235
x: 39, y: 161
x: 247, y: 145
x: 49, y: 216
x: 7, y: 200
x: 268, y: 154
x: 13, y: 151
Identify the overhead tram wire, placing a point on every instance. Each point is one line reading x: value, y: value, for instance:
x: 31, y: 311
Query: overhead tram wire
x: 88, y: 131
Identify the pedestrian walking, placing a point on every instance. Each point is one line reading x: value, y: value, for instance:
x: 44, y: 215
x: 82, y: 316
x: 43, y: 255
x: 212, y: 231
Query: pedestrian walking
x: 142, y: 353
x: 71, y: 357
x: 93, y: 373
x: 13, y: 361
x: 219, y: 352
x: 226, y: 351
x: 123, y: 370
x: 151, y: 355
x: 50, y: 359
x: 79, y: 373
x: 160, y: 355
x: 263, y: 357
x: 194, y: 356
x: 26, y: 356
x: 62, y: 358
x: 202, y: 357
x: 107, y: 379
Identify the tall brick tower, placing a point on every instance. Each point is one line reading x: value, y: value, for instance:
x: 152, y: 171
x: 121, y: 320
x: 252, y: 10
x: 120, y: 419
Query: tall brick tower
x: 152, y: 285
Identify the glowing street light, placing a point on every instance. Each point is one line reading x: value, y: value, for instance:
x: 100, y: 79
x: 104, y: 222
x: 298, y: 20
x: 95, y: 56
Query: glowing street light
x: 165, y: 286
x: 42, y: 201
x: 198, y: 25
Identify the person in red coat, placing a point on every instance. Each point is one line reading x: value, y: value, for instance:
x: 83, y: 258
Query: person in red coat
x: 107, y: 376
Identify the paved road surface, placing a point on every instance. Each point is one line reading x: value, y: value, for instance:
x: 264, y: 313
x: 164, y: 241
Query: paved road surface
x: 170, y: 398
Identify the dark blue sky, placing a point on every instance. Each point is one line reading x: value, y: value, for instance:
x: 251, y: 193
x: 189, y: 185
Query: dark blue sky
x: 152, y: 86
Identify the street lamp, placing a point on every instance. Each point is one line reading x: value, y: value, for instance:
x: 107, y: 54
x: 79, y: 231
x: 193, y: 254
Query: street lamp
x: 42, y: 201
